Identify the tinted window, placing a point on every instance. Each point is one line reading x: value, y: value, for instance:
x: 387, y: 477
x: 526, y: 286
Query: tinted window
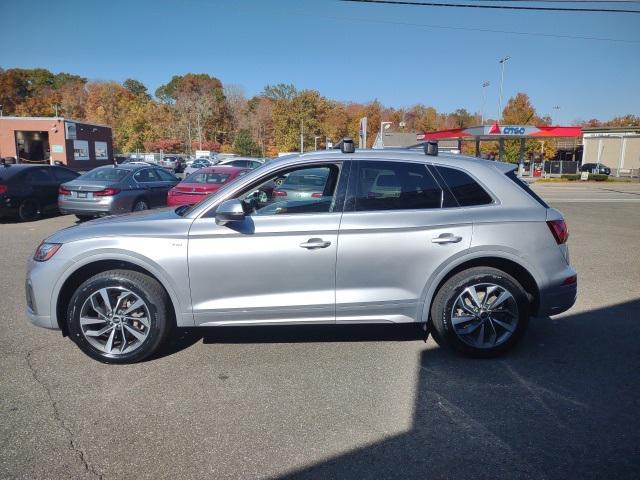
x: 39, y: 175
x: 64, y: 175
x: 512, y: 176
x: 395, y: 186
x: 165, y: 176
x: 464, y: 188
x: 106, y: 174
x: 146, y: 175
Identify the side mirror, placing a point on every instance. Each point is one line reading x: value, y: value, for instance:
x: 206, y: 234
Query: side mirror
x: 229, y: 211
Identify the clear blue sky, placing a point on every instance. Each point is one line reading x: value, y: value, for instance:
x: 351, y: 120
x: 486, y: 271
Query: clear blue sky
x: 400, y: 55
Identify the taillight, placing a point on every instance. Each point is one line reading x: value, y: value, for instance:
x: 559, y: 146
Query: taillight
x: 172, y: 192
x: 559, y: 230
x: 3, y: 189
x: 107, y: 192
x: 279, y: 193
x: 64, y: 191
x: 316, y: 195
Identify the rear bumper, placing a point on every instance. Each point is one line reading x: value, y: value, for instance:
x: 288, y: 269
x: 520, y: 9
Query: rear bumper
x: 556, y: 300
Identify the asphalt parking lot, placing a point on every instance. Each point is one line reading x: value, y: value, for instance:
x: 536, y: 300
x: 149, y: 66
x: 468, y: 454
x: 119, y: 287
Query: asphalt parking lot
x: 342, y: 402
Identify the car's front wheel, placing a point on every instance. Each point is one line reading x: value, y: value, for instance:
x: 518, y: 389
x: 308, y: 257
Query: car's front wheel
x: 480, y: 312
x: 119, y: 316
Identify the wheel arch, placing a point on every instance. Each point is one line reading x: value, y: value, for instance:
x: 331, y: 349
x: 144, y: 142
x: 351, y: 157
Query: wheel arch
x: 62, y: 295
x: 517, y: 269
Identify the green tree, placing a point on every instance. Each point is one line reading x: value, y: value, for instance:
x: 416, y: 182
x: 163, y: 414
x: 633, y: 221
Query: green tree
x: 137, y: 88
x: 244, y: 145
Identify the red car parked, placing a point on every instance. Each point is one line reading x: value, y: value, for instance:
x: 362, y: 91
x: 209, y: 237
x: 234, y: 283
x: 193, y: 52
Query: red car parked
x: 201, y: 183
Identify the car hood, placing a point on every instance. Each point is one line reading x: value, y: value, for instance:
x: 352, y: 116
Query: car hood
x: 150, y: 223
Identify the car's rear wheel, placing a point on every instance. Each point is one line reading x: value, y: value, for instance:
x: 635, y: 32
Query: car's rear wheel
x: 480, y: 312
x: 119, y: 316
x: 140, y: 205
x: 28, y: 210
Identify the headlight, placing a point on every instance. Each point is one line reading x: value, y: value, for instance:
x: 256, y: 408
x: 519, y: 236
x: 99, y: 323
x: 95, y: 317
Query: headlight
x: 45, y: 251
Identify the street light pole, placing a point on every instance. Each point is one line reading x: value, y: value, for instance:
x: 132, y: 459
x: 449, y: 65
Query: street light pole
x: 301, y: 136
x: 484, y: 97
x: 315, y: 142
x: 502, y: 62
x: 557, y: 108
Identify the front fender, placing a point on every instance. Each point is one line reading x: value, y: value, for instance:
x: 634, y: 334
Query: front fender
x: 181, y: 303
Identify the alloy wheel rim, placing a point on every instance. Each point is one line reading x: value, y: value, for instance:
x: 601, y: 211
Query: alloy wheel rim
x: 140, y: 206
x: 484, y: 315
x: 115, y: 320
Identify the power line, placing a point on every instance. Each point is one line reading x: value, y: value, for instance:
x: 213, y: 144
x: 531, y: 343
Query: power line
x: 471, y: 29
x: 495, y: 7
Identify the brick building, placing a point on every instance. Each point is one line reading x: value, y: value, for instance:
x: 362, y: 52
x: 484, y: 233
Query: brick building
x: 78, y: 145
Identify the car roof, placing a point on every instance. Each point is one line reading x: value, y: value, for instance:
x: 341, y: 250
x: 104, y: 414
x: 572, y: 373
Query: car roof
x: 445, y: 159
x: 223, y: 168
x: 11, y: 169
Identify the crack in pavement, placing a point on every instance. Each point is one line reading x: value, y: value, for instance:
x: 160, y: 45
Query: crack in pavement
x: 73, y: 446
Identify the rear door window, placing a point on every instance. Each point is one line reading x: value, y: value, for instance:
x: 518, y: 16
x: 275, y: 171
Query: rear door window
x: 464, y: 188
x: 146, y: 175
x: 395, y: 186
x: 39, y: 176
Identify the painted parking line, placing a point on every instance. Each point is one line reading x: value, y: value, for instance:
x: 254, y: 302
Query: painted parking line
x: 592, y: 200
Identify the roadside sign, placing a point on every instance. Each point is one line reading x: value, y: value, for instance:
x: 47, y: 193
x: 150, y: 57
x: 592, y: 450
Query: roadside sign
x: 584, y: 176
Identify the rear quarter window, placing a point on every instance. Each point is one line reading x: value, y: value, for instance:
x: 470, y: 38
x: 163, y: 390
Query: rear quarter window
x: 464, y: 188
x: 514, y: 178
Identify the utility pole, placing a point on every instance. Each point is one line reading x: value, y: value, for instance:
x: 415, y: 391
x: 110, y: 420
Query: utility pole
x: 315, y: 142
x: 55, y: 107
x: 484, y: 97
x: 502, y: 62
x: 301, y: 136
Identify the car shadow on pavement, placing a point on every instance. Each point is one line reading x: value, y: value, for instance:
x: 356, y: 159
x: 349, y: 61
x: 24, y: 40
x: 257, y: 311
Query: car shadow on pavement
x: 186, y: 337
x: 564, y: 404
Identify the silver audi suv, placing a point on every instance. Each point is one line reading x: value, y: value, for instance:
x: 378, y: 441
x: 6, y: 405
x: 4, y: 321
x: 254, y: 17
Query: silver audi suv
x: 456, y: 244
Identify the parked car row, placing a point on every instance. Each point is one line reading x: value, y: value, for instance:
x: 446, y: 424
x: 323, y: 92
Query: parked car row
x: 30, y: 191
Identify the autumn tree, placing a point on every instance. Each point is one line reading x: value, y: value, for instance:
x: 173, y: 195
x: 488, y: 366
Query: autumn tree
x: 519, y: 110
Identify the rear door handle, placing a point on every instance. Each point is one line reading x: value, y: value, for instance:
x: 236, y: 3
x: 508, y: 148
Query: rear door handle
x: 313, y: 243
x: 446, y: 238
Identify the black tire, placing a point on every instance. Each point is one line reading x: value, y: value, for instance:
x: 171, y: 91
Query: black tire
x: 140, y: 205
x: 147, y: 289
x: 29, y: 210
x: 84, y: 218
x: 443, y: 304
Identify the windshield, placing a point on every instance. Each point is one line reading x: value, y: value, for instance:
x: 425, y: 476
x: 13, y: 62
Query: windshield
x: 105, y: 174
x: 207, y: 177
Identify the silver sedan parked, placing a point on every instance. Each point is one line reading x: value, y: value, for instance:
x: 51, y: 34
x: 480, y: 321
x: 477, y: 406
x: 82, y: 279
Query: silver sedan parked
x: 455, y: 244
x: 116, y: 189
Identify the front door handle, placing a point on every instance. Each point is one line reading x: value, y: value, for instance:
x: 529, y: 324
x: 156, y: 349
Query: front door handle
x: 313, y: 243
x: 446, y: 238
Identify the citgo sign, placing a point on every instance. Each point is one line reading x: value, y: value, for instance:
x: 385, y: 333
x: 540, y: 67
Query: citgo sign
x: 513, y: 130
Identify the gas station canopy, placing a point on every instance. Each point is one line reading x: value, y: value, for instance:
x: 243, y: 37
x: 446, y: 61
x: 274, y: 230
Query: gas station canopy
x: 500, y: 132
